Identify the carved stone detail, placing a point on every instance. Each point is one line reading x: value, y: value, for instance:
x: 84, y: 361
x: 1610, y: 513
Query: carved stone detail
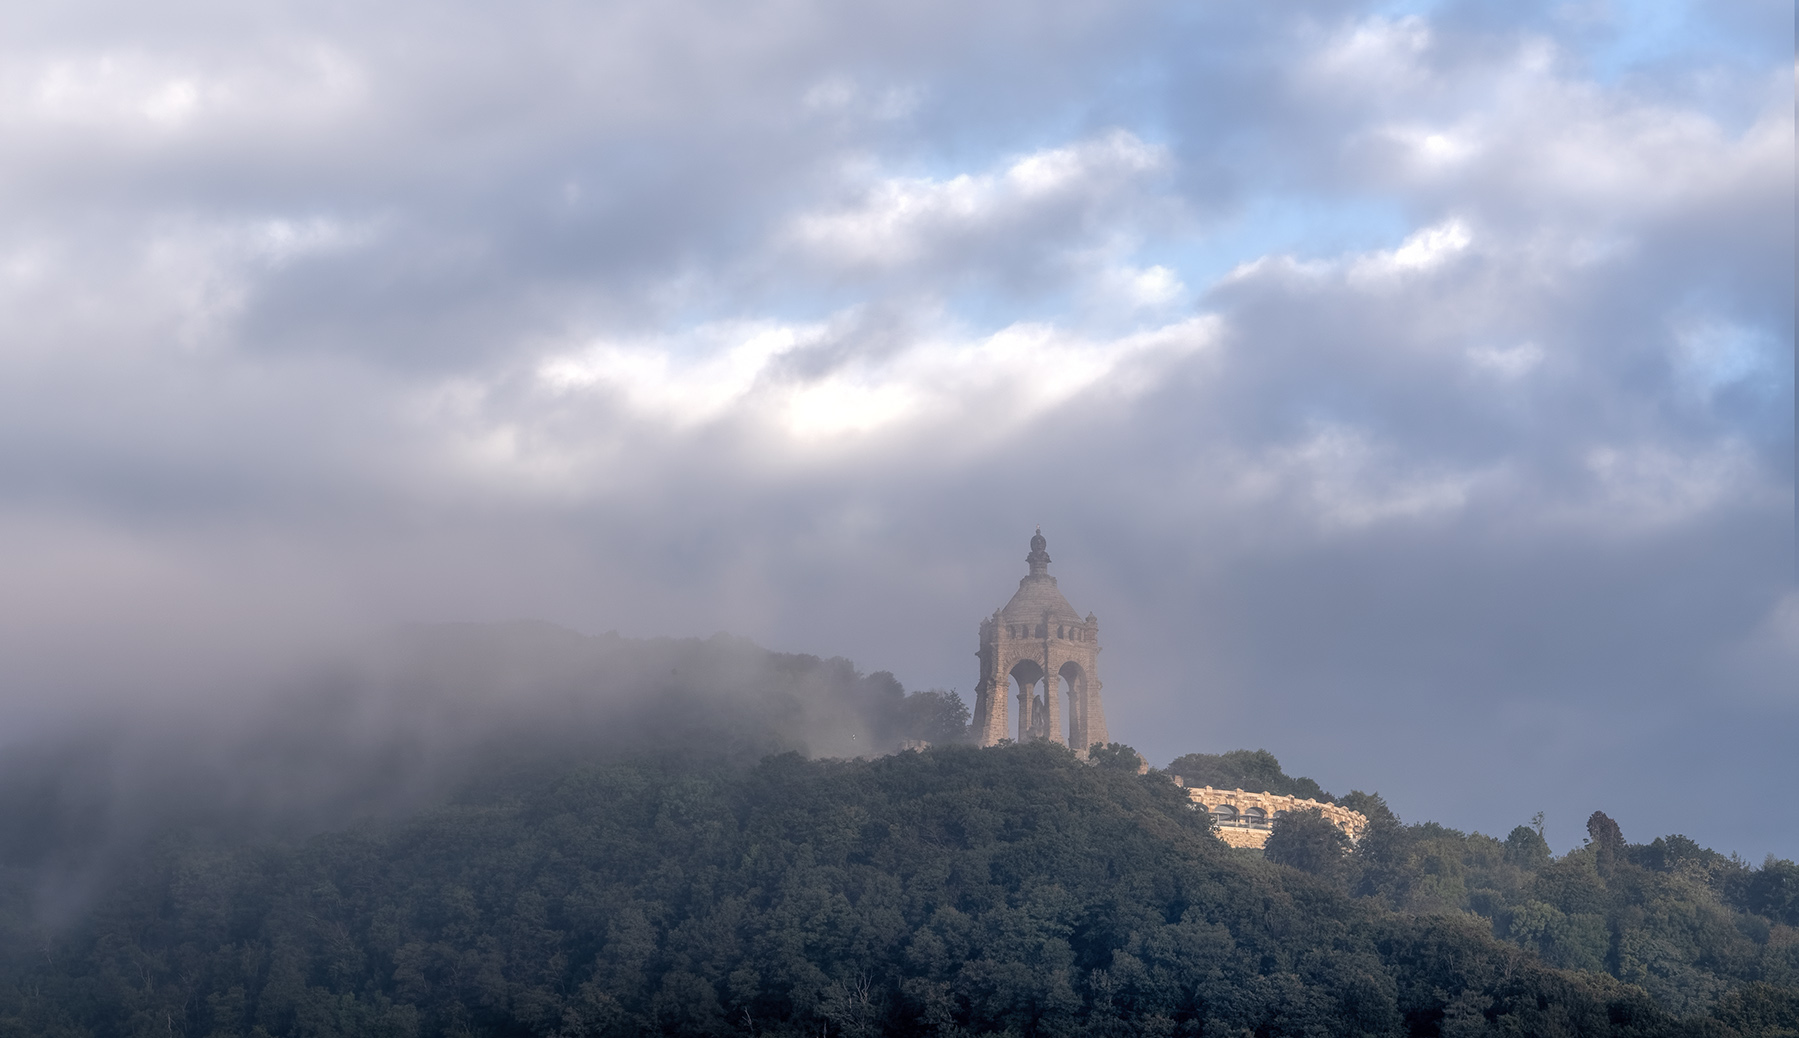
x: 1244, y: 819
x: 1040, y: 643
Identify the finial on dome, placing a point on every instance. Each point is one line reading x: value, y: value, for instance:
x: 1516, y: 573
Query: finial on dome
x: 1038, y: 558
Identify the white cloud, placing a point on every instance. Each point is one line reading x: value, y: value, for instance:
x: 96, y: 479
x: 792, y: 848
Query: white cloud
x: 138, y: 89
x: 180, y: 281
x: 978, y: 389
x: 1339, y: 479
x: 687, y: 380
x: 113, y: 88
x: 1372, y: 54
x: 844, y: 95
x: 902, y: 220
x: 1423, y: 251
x: 1436, y: 151
x: 585, y: 280
x: 1510, y: 362
x: 1646, y: 487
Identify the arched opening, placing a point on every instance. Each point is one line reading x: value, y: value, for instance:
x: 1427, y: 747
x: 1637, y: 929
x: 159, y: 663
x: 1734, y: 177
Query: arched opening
x: 1224, y: 814
x: 1255, y: 818
x: 1033, y: 712
x: 1072, y: 685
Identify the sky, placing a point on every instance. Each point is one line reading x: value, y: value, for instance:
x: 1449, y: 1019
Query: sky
x: 1407, y: 387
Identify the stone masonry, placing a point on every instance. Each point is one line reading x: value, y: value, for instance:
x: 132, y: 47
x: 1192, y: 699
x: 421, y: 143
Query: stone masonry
x: 1244, y: 819
x: 1039, y: 649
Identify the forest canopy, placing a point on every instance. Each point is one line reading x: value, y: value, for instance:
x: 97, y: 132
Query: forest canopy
x: 588, y: 884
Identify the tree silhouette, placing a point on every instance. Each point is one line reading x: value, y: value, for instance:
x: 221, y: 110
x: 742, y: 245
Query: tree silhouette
x: 1309, y: 842
x: 1607, y: 840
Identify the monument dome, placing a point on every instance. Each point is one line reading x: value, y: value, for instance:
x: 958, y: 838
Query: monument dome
x: 1038, y: 646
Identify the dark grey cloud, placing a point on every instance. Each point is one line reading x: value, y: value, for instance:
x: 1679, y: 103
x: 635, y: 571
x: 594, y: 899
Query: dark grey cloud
x: 1409, y: 393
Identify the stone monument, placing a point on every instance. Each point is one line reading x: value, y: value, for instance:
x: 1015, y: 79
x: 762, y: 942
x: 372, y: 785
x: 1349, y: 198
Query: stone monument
x: 1040, y: 649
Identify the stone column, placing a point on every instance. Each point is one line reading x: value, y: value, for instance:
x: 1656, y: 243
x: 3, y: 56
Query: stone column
x: 1077, y: 716
x: 990, y: 699
x: 1096, y: 714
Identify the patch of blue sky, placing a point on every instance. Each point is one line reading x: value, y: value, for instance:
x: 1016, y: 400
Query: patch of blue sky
x: 983, y: 312
x: 1627, y: 36
x: 1404, y: 8
x: 1308, y: 228
x: 1618, y: 38
x: 1716, y: 354
x: 1305, y: 227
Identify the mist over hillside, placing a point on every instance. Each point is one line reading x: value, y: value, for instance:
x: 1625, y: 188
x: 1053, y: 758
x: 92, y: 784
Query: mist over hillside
x: 401, y: 721
x: 519, y: 829
x: 957, y: 891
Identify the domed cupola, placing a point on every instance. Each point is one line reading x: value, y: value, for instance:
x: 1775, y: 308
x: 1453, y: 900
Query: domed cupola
x: 1039, y: 642
x: 1038, y: 599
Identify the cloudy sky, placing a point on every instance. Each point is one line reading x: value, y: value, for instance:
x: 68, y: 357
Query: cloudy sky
x: 1408, y: 387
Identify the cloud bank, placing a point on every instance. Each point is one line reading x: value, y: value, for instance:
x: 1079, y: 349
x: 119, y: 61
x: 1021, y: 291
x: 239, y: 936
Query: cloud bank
x: 1409, y: 388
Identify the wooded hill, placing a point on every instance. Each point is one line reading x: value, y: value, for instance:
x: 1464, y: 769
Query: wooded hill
x: 955, y: 891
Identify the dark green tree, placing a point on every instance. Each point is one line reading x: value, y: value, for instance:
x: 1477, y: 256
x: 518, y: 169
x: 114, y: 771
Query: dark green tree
x: 1253, y: 770
x: 1762, y: 1010
x: 1115, y: 756
x: 1526, y: 848
x: 1307, y: 841
x: 1371, y: 805
x: 1774, y: 891
x: 1607, y: 841
x: 936, y: 716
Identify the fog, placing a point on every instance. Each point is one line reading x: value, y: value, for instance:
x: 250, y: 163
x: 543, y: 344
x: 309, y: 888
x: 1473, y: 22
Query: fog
x: 408, y: 721
x: 1407, y: 388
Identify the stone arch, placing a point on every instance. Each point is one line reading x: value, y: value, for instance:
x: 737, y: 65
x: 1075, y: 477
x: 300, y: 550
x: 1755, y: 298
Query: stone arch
x: 1073, y: 680
x: 1224, y: 814
x: 1038, y: 625
x: 1255, y: 818
x: 1033, y: 709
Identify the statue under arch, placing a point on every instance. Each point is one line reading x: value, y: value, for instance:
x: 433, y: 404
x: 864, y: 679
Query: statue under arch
x: 1039, y: 649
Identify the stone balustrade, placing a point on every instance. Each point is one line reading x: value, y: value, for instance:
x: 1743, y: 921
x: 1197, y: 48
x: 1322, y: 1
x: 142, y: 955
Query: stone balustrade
x: 1244, y: 819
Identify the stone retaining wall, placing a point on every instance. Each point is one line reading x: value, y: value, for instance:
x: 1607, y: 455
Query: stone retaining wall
x: 1244, y: 819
